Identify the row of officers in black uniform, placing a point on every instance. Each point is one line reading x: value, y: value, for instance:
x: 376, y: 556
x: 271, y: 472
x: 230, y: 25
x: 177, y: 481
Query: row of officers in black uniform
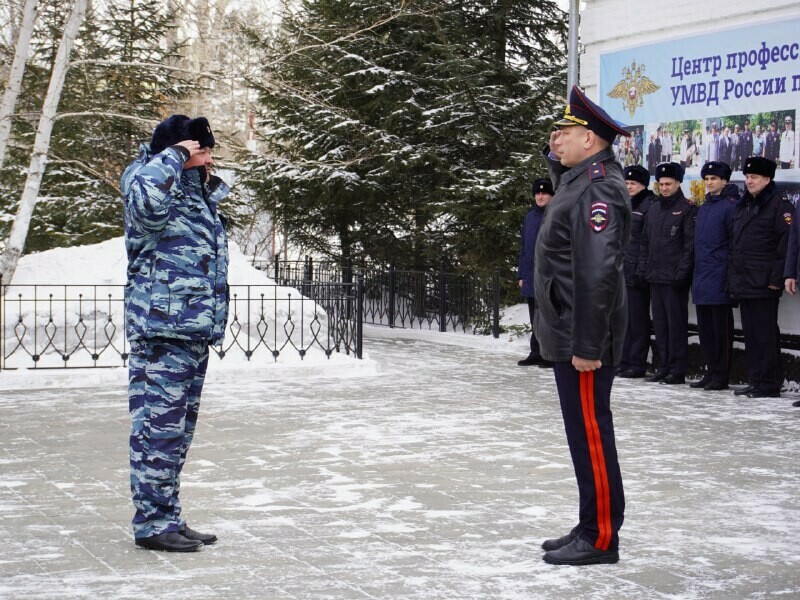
x: 733, y: 249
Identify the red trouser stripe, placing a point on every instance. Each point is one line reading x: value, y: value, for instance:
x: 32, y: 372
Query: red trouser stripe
x: 598, y: 460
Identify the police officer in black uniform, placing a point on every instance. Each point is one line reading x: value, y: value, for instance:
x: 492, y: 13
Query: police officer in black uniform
x: 581, y: 316
x: 542, y: 190
x: 666, y: 259
x: 759, y: 241
x: 637, y: 338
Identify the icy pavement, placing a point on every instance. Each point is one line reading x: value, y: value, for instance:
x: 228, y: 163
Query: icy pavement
x: 436, y: 478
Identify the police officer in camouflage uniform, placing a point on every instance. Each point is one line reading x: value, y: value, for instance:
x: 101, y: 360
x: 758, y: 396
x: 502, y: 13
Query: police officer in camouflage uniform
x: 176, y: 306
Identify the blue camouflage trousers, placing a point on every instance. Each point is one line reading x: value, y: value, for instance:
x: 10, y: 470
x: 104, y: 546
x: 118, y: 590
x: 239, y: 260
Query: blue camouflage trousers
x: 165, y: 379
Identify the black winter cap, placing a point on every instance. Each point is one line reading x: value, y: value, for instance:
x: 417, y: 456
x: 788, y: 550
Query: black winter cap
x: 544, y: 186
x: 637, y: 173
x: 758, y: 165
x: 178, y: 128
x: 670, y: 169
x: 715, y: 167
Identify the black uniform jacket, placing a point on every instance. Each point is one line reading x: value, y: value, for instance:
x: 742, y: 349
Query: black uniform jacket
x: 758, y: 244
x: 640, y: 204
x: 579, y: 283
x: 666, y: 255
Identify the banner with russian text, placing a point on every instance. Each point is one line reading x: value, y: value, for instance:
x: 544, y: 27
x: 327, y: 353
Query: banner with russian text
x: 726, y: 95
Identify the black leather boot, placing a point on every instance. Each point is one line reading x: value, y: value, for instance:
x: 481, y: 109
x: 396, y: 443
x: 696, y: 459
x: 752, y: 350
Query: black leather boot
x: 191, y: 534
x: 172, y: 541
x: 580, y: 552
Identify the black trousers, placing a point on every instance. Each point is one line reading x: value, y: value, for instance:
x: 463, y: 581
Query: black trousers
x: 637, y: 337
x: 586, y: 409
x: 671, y: 326
x: 762, y: 346
x: 535, y: 350
x: 715, y: 327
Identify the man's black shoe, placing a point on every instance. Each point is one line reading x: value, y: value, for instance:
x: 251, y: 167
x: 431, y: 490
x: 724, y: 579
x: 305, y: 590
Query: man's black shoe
x: 631, y: 374
x: 715, y: 385
x: 743, y: 391
x: 191, y: 534
x: 700, y: 383
x: 763, y: 394
x: 529, y: 361
x: 580, y: 552
x: 674, y: 379
x: 556, y: 543
x: 171, y: 541
x: 657, y: 377
x: 796, y: 403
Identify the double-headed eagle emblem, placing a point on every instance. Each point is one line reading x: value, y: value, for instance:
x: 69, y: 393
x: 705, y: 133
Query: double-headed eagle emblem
x: 633, y: 87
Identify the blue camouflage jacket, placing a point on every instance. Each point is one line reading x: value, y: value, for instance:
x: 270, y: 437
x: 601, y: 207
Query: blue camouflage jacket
x: 177, y: 251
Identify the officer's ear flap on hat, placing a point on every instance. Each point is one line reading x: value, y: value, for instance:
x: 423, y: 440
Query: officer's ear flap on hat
x: 199, y: 129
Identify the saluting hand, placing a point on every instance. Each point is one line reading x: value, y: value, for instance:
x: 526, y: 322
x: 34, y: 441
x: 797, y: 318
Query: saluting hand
x: 193, y: 146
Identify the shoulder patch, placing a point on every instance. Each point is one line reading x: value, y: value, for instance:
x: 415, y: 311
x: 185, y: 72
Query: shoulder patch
x: 598, y: 217
x: 597, y: 172
x: 788, y: 218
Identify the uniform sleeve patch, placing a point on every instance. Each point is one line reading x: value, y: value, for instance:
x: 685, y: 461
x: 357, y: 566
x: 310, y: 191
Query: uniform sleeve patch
x: 788, y: 218
x: 598, y: 218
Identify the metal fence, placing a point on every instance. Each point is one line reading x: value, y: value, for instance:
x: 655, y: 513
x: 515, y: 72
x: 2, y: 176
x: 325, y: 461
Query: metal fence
x: 76, y: 326
x: 436, y: 300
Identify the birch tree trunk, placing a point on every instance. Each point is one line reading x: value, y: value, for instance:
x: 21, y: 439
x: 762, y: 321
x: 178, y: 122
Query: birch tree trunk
x: 41, y: 145
x: 14, y: 86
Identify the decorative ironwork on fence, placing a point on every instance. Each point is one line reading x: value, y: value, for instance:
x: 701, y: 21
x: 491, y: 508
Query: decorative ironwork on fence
x: 407, y: 299
x: 61, y: 326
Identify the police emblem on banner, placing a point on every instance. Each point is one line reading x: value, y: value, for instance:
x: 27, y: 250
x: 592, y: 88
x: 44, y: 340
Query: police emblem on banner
x: 599, y: 216
x: 633, y: 87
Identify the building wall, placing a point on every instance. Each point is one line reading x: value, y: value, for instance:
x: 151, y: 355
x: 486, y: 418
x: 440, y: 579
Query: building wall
x: 608, y: 25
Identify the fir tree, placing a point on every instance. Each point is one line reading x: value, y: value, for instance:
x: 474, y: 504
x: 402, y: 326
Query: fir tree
x: 408, y: 132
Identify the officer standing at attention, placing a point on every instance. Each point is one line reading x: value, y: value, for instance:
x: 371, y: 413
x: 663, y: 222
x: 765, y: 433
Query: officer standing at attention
x: 176, y: 306
x: 542, y: 190
x: 756, y: 271
x: 637, y: 338
x: 710, y: 282
x: 581, y: 315
x: 666, y: 259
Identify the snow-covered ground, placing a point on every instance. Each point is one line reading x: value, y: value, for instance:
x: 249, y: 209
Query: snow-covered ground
x: 432, y: 469
x: 436, y: 474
